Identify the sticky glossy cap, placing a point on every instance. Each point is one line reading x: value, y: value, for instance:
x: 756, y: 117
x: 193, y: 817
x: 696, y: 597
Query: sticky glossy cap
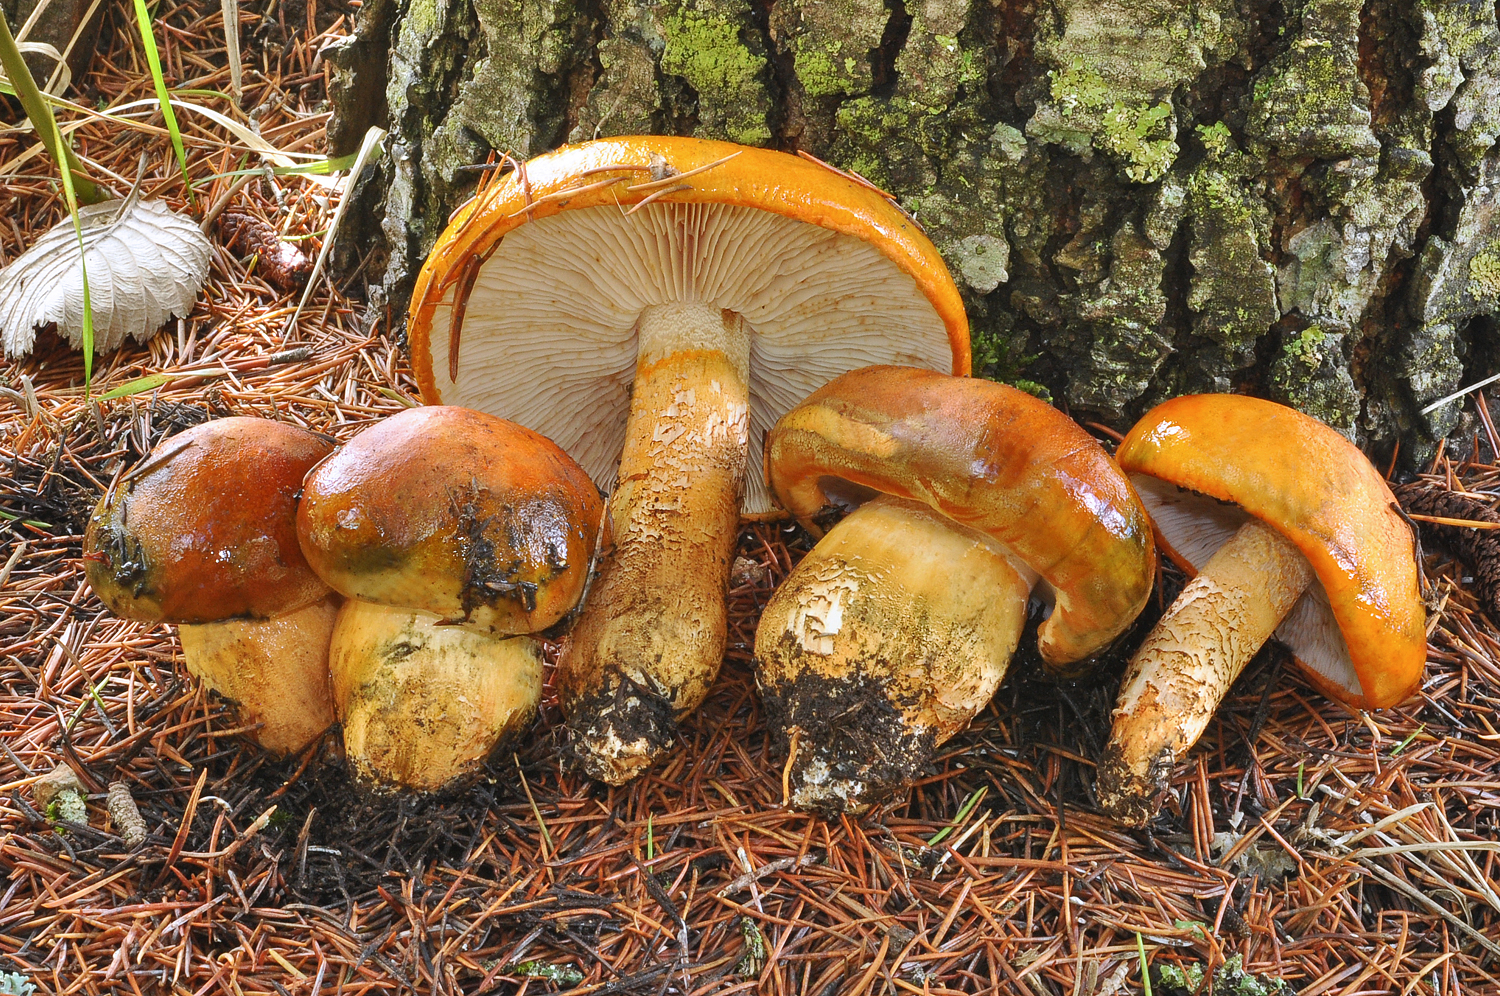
x: 990, y: 457
x: 1315, y: 487
x: 205, y: 527
x: 454, y: 512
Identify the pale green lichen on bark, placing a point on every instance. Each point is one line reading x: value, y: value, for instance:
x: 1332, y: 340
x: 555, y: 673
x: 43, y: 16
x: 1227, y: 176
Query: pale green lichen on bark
x: 1124, y: 311
x: 1484, y: 274
x: 1462, y: 40
x: 702, y: 43
x: 1113, y: 68
x: 830, y: 42
x: 1311, y: 373
x: 1232, y: 293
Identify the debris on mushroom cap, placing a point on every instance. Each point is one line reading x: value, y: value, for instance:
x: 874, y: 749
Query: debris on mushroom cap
x: 453, y: 512
x: 205, y: 527
x: 990, y: 457
x: 827, y: 274
x: 423, y: 703
x: 1316, y: 488
x: 447, y: 528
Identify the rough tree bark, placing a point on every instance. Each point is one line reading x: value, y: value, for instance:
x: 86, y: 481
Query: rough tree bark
x: 1139, y: 198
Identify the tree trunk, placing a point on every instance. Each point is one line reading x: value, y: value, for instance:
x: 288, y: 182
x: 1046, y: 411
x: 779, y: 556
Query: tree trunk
x: 1139, y: 198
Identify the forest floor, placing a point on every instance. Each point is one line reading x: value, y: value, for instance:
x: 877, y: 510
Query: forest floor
x: 1323, y: 851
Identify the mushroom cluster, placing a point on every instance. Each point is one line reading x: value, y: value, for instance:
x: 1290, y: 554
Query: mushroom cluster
x: 203, y: 533
x: 653, y: 304
x: 391, y: 584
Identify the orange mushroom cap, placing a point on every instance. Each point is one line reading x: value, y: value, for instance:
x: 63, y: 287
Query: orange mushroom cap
x: 453, y: 512
x: 205, y: 529
x: 990, y: 457
x: 1319, y: 491
x: 474, y: 260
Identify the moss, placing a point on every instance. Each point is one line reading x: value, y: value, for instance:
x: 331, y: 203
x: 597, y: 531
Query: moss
x: 1216, y: 138
x: 1233, y: 290
x: 1127, y: 132
x: 830, y: 42
x: 1114, y: 67
x: 702, y: 45
x: 1229, y: 979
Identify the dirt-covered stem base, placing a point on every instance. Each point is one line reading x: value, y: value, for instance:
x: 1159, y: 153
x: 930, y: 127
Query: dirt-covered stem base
x: 1186, y: 665
x: 650, y: 637
x: 884, y: 642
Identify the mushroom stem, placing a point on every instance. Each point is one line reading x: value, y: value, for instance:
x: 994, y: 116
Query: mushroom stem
x: 650, y: 639
x: 1185, y: 667
x: 275, y: 670
x: 423, y: 703
x: 883, y: 643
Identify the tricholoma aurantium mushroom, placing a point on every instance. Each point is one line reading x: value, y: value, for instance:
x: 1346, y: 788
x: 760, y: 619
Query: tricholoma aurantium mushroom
x: 452, y: 533
x: 1287, y: 529
x: 653, y: 304
x: 203, y: 533
x: 897, y: 628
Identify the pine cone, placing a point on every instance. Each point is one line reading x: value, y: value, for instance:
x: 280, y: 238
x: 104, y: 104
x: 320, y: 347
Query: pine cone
x: 280, y: 262
x: 1478, y: 548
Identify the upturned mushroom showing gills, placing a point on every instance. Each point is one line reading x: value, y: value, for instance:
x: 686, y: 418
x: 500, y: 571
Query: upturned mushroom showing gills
x: 452, y: 533
x: 652, y: 304
x: 897, y: 628
x: 203, y: 533
x: 1287, y: 529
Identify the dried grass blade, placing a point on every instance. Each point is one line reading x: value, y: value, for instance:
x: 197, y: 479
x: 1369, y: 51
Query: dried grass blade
x: 372, y: 141
x: 232, y: 45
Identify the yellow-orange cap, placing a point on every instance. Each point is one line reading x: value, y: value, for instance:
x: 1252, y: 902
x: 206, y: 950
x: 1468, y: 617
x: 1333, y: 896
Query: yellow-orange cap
x: 990, y: 457
x: 477, y: 283
x: 1315, y: 487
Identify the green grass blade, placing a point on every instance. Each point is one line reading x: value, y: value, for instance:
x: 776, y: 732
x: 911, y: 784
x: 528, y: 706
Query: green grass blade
x: 40, y: 116
x: 83, y: 269
x: 76, y: 185
x: 138, y: 386
x: 153, y: 59
x: 1140, y: 947
x: 963, y: 814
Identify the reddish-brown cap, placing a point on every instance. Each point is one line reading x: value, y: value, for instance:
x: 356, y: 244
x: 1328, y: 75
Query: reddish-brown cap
x: 205, y: 528
x: 990, y: 457
x: 454, y: 512
x: 526, y: 308
x: 1320, y: 492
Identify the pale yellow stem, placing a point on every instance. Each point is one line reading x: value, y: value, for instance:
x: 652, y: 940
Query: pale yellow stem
x: 275, y: 670
x: 649, y: 641
x: 1185, y: 667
